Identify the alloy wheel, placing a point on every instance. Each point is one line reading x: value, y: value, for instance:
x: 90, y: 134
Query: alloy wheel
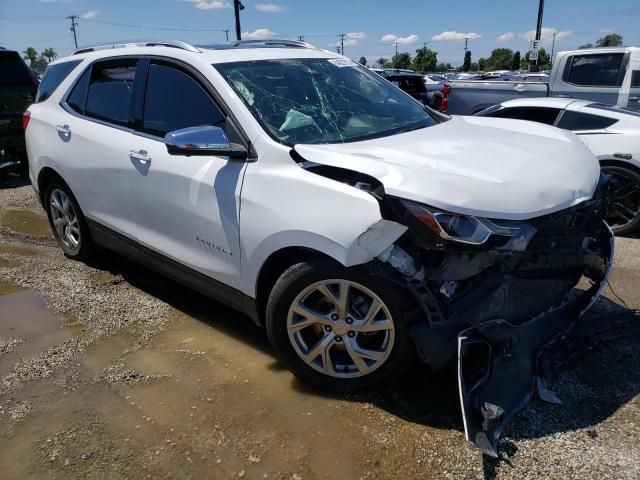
x: 340, y: 328
x: 623, y: 197
x: 65, y: 219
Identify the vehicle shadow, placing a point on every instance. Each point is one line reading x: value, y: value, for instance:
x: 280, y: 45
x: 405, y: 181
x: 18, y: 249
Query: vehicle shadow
x: 11, y: 180
x: 598, y: 367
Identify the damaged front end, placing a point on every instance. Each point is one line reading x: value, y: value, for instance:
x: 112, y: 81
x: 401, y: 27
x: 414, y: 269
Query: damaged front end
x: 496, y: 293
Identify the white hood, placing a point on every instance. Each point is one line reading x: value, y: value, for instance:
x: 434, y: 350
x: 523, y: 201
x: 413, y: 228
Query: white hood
x: 487, y: 167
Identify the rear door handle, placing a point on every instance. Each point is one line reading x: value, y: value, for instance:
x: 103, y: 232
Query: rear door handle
x: 141, y: 155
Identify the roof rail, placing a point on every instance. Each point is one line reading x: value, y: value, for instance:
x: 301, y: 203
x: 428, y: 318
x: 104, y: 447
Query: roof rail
x: 139, y: 43
x: 267, y: 42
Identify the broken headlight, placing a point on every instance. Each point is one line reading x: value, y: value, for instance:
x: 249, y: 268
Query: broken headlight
x: 462, y: 228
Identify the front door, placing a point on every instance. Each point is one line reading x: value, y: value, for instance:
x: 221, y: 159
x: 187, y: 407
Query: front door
x: 187, y: 207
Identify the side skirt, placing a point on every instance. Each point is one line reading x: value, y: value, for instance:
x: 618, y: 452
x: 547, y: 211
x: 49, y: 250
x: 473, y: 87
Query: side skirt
x: 186, y: 276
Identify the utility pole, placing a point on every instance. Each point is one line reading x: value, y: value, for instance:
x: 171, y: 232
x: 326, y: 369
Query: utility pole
x: 226, y: 32
x: 237, y: 6
x: 424, y: 44
x: 396, y: 49
x: 342, y: 35
x: 538, y: 32
x: 301, y: 38
x: 466, y: 42
x: 74, y: 24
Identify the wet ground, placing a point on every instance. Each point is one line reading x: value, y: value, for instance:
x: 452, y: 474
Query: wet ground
x: 108, y: 370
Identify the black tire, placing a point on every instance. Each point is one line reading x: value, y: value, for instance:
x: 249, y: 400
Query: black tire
x: 620, y: 225
x: 85, y: 247
x: 302, y: 275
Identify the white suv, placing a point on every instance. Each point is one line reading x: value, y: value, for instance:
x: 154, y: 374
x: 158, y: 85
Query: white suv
x: 358, y: 226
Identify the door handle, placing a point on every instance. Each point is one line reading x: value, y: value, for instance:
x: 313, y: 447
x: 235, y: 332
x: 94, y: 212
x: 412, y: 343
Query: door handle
x: 63, y: 129
x: 141, y: 155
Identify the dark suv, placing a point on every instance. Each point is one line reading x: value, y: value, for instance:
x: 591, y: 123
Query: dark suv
x: 18, y: 85
x: 413, y: 84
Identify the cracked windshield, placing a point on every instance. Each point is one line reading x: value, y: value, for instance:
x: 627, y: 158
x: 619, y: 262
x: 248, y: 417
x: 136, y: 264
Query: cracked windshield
x: 323, y: 100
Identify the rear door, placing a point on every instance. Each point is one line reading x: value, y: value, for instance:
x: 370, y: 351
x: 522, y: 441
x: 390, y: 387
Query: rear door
x: 187, y: 206
x: 91, y: 138
x: 592, y: 76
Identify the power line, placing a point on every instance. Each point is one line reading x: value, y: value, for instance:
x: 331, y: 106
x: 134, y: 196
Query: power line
x: 145, y: 27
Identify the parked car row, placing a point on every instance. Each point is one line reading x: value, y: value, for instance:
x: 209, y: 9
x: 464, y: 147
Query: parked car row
x: 372, y: 231
x: 604, y: 75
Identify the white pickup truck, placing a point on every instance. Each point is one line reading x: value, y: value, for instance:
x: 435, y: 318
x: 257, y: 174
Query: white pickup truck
x: 604, y: 75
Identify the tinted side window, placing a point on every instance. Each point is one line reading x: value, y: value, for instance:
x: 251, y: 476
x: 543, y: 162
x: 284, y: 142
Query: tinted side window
x: 77, y: 100
x: 109, y: 92
x: 635, y: 79
x: 541, y: 115
x: 584, y: 121
x: 601, y: 70
x: 174, y: 100
x: 15, y: 72
x: 53, y: 77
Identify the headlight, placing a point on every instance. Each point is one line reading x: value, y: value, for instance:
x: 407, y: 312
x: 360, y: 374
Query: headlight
x: 460, y: 228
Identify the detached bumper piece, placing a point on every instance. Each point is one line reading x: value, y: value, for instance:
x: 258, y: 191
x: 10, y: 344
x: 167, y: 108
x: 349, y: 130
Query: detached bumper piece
x: 500, y: 365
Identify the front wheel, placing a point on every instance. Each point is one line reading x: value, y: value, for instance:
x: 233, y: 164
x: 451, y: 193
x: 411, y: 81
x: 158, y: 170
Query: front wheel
x: 622, y: 194
x: 339, y: 329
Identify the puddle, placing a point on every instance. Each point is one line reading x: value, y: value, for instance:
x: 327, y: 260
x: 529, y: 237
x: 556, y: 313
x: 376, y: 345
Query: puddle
x: 24, y: 315
x: 7, y: 288
x: 26, y: 222
x: 16, y: 250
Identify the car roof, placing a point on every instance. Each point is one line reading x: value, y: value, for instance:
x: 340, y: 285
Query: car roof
x: 217, y: 53
x: 544, y: 102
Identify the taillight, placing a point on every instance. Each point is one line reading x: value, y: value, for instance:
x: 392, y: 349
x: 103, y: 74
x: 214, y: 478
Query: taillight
x: 446, y: 89
x: 444, y: 104
x: 26, y: 116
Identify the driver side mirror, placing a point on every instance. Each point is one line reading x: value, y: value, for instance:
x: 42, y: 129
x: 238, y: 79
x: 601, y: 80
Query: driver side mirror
x: 203, y: 140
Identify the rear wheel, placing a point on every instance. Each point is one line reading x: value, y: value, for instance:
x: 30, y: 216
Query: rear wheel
x: 67, y: 221
x: 622, y: 193
x: 339, y: 329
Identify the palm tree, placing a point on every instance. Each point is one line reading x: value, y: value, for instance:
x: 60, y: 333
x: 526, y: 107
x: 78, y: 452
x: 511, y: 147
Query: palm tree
x: 31, y: 55
x: 50, y: 54
x: 381, y: 61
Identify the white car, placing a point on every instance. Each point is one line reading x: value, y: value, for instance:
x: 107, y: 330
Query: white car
x: 359, y: 227
x: 611, y: 133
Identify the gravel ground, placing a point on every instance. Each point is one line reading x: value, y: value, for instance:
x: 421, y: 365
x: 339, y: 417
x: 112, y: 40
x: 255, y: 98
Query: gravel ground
x: 110, y: 371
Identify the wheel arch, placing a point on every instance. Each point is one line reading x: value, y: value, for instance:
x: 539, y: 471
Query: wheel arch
x: 613, y: 162
x: 45, y: 175
x: 274, y: 266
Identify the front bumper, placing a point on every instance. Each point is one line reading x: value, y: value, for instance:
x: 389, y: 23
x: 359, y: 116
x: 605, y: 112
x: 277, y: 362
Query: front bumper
x: 501, y: 366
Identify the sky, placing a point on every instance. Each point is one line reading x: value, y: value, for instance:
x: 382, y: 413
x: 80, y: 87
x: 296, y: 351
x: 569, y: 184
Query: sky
x: 372, y: 28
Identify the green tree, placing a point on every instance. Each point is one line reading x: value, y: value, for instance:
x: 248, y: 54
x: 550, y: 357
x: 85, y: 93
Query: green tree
x: 482, y: 64
x: 544, y: 61
x: 443, y: 67
x: 381, y: 61
x: 50, y: 54
x: 610, y: 40
x: 473, y: 67
x: 401, y: 60
x: 31, y: 55
x: 500, y: 59
x: 466, y: 65
x: 515, y: 63
x: 425, y: 60
x: 586, y: 45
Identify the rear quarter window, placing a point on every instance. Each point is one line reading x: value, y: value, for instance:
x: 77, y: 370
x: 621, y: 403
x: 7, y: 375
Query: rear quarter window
x: 584, y: 121
x: 110, y: 88
x: 53, y: 77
